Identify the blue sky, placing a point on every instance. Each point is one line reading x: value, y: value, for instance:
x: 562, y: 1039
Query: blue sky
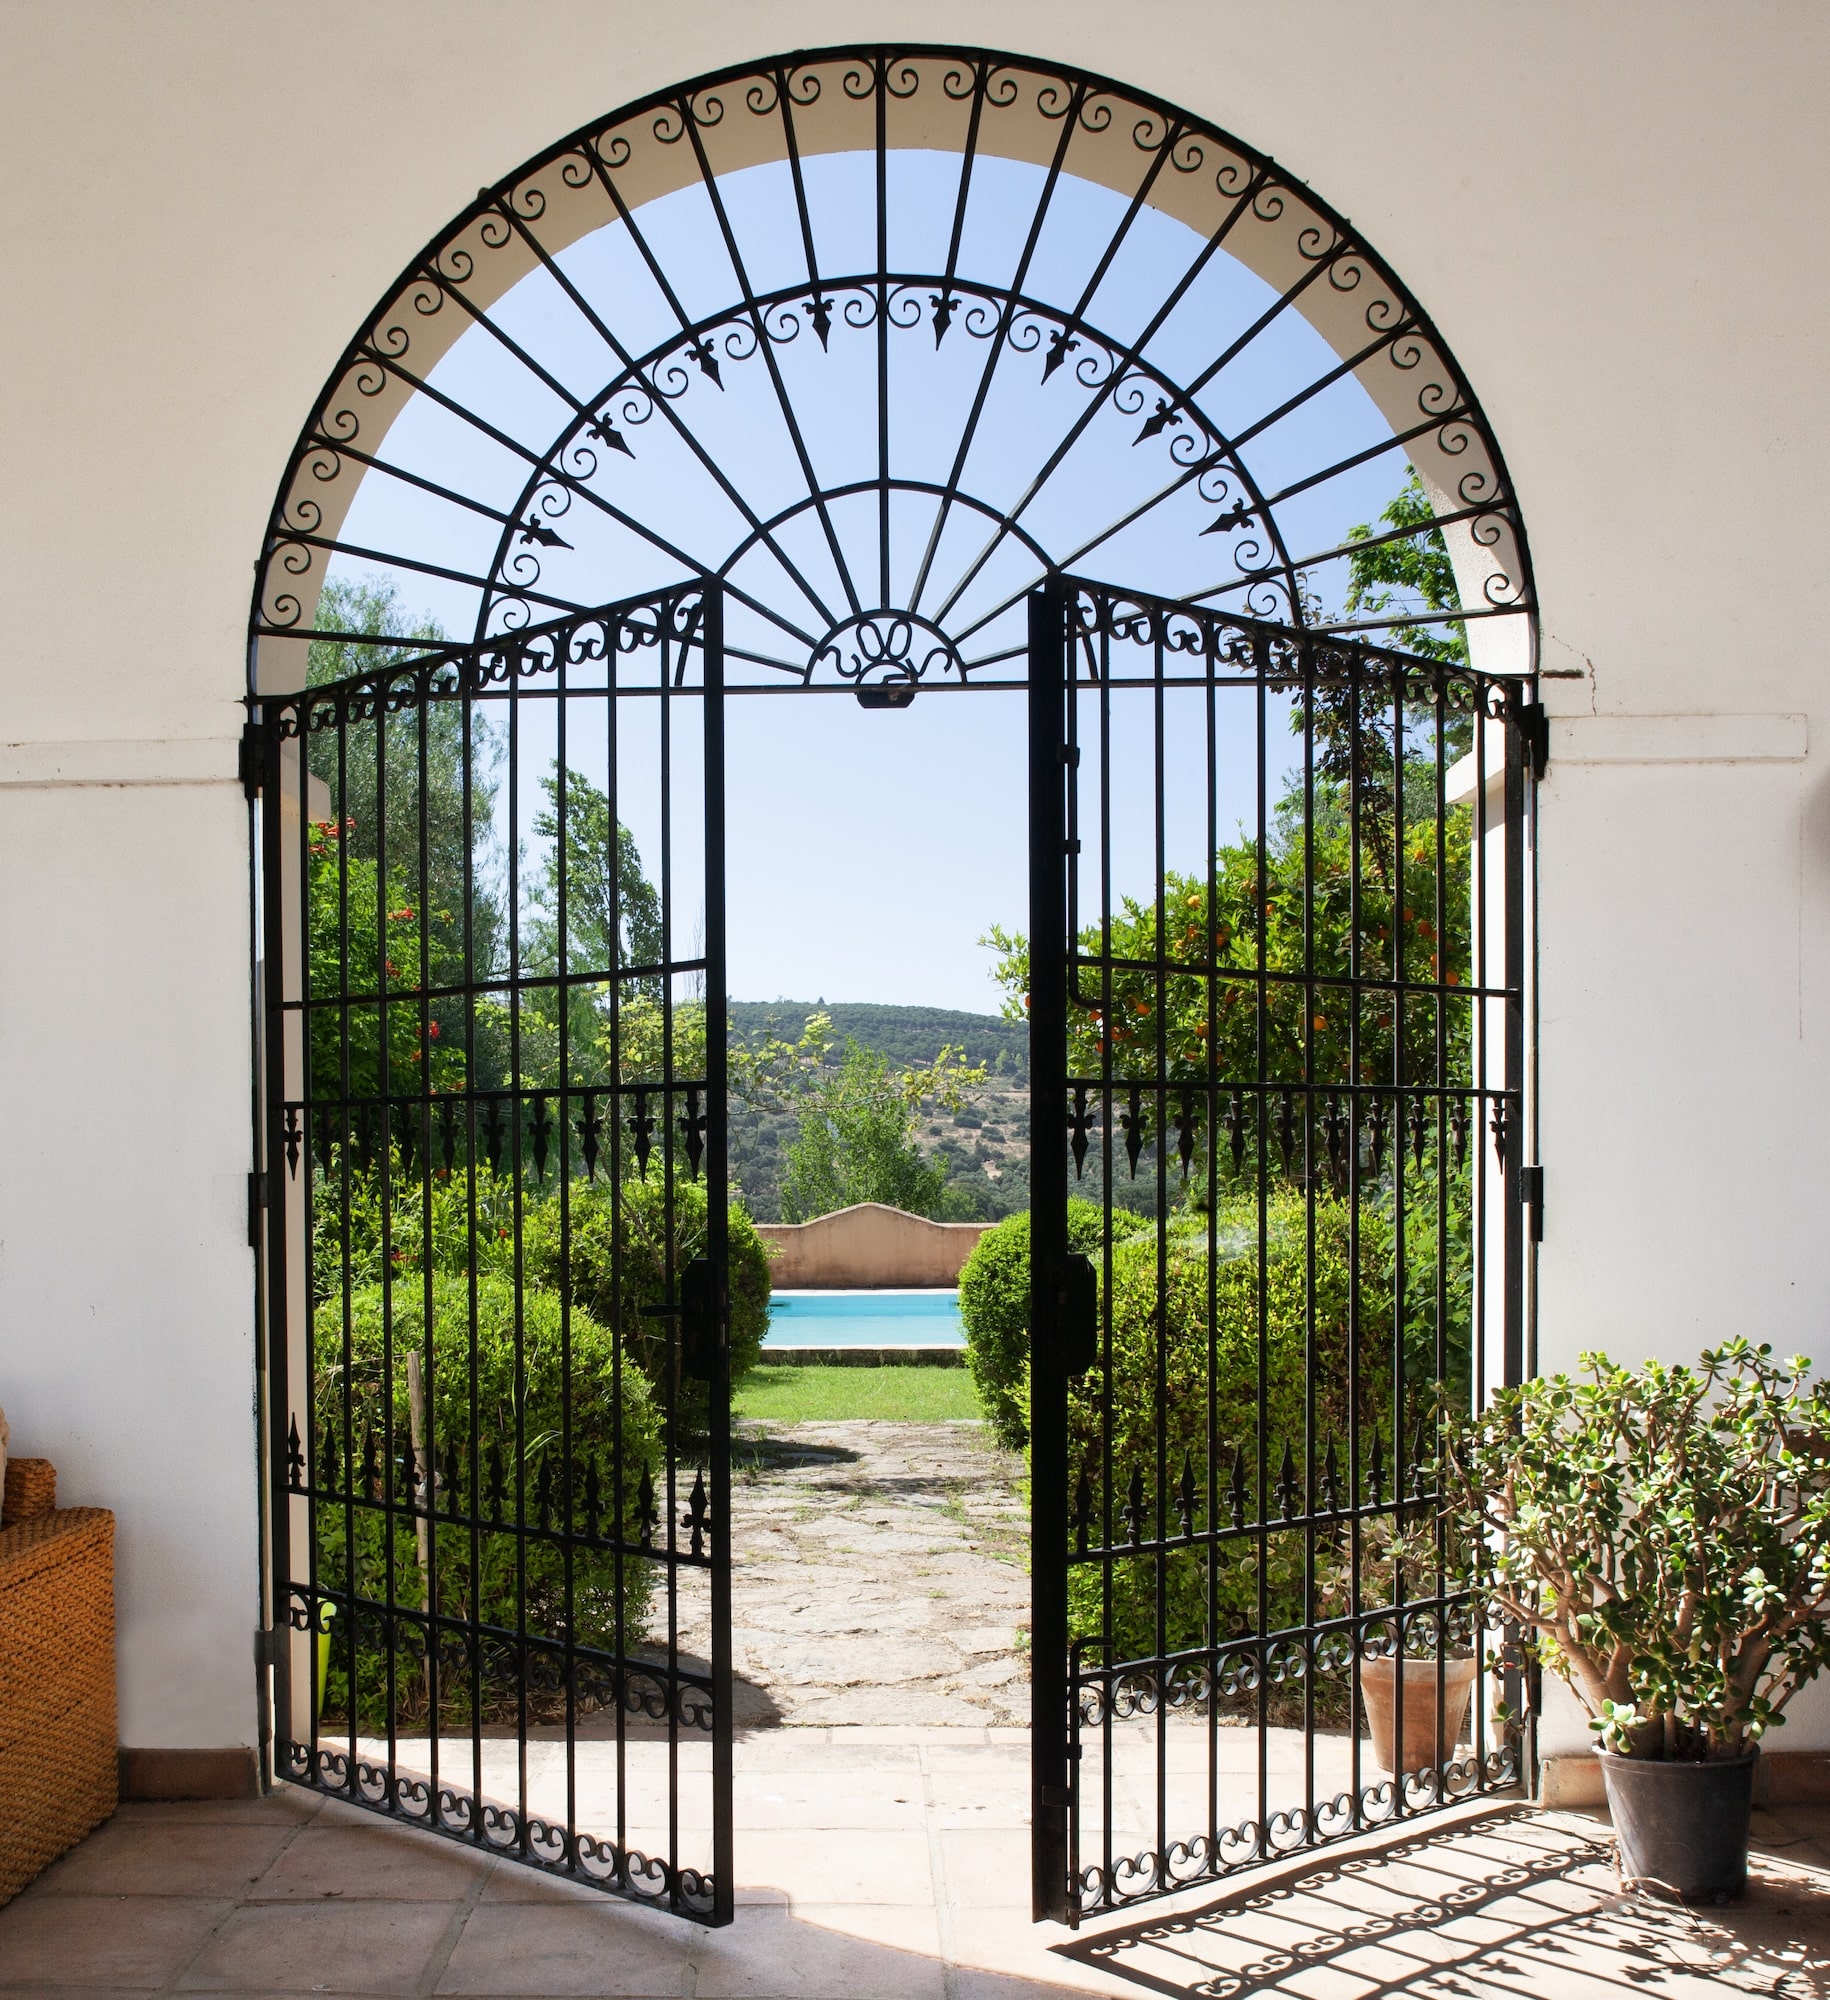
x: 869, y: 850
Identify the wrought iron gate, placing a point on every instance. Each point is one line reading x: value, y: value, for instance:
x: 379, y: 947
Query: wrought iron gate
x: 1281, y: 1041
x: 494, y: 1251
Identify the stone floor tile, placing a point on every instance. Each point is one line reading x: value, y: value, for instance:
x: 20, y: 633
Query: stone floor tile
x: 865, y: 1867
x: 552, y: 1949
x: 150, y: 1857
x: 284, y: 1805
x: 986, y: 1867
x: 102, y: 1941
x: 367, y: 1947
x: 836, y: 1800
x: 769, y: 1955
x: 396, y: 1863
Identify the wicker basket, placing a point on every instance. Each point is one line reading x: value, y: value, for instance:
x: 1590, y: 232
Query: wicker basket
x: 58, y: 1751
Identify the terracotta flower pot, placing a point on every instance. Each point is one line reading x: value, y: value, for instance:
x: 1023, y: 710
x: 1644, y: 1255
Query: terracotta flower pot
x: 1379, y: 1694
x: 1683, y: 1826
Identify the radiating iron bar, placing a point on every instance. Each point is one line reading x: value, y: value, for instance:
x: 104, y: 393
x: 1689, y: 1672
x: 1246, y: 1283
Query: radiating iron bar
x: 767, y: 349
x: 999, y: 338
x: 1228, y: 444
x: 332, y: 546
x: 1364, y: 544
x: 641, y: 373
x: 1198, y: 468
x: 547, y: 469
x: 899, y: 484
x: 1125, y: 356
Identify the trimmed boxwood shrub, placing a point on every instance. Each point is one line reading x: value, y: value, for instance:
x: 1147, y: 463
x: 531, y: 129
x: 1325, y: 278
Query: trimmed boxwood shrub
x: 994, y: 1304
x: 994, y: 1309
x: 615, y: 1281
x: 1289, y: 1298
x: 519, y: 1396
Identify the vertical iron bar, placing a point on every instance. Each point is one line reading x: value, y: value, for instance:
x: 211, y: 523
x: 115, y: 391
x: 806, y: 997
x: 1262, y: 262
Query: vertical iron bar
x: 1049, y: 948
x: 717, y: 1199
x: 278, y: 1296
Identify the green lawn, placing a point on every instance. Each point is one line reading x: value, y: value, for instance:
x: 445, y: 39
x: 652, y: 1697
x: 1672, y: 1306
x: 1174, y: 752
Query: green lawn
x: 791, y: 1394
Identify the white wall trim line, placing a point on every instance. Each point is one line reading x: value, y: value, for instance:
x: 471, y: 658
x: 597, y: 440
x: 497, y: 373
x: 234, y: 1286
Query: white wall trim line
x: 1678, y: 739
x: 177, y: 760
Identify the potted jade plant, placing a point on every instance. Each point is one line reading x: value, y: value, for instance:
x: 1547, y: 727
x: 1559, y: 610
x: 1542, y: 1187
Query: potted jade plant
x: 1662, y: 1537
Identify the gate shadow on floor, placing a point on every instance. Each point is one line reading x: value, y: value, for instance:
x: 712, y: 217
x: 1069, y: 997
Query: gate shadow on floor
x: 1508, y: 1901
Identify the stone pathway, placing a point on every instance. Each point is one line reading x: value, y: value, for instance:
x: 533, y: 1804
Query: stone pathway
x: 879, y: 1576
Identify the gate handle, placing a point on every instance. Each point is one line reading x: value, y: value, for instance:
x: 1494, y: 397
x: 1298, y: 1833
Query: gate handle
x: 699, y: 1320
x: 1080, y: 1317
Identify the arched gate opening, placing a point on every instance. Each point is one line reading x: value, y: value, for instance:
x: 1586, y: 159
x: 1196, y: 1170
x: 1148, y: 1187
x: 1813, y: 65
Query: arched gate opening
x: 891, y: 374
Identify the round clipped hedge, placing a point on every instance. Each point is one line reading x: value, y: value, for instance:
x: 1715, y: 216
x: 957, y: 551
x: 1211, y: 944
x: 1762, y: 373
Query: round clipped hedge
x: 1302, y: 1276
x: 1166, y: 1309
x: 616, y: 1271
x: 994, y: 1309
x: 522, y: 1423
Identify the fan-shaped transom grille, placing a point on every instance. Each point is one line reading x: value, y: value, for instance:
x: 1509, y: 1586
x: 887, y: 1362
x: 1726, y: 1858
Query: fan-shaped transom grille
x: 879, y: 338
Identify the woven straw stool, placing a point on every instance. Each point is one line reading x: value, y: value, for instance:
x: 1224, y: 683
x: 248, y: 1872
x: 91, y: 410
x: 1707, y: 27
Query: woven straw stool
x: 58, y: 1753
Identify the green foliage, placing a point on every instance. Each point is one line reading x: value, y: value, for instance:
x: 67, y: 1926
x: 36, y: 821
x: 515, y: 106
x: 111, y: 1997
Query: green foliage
x: 798, y: 1393
x: 460, y: 864
x: 857, y: 1120
x: 612, y: 1275
x: 384, y: 955
x: 1162, y: 1320
x: 612, y: 920
x: 908, y: 1036
x: 1251, y: 918
x: 994, y: 1309
x: 1664, y: 1535
x: 1411, y: 571
x: 621, y: 1253
x: 549, y: 1395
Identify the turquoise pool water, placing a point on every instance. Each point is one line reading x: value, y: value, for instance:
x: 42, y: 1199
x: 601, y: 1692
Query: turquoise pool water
x: 864, y: 1319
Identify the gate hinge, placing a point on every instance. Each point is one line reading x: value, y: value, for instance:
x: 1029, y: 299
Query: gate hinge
x: 1531, y: 1197
x: 257, y: 1202
x: 267, y: 1640
x: 1534, y: 727
x: 248, y: 760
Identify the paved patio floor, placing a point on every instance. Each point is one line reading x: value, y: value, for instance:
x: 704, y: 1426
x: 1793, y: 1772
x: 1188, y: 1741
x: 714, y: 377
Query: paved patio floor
x: 880, y: 1863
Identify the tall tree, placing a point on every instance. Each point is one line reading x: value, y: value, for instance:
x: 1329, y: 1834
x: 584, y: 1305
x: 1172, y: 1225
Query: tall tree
x: 424, y: 764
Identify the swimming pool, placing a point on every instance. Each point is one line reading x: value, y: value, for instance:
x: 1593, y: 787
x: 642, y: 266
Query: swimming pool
x: 864, y: 1319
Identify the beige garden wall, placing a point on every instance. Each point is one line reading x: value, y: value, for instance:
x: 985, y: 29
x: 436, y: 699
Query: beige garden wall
x: 1613, y: 216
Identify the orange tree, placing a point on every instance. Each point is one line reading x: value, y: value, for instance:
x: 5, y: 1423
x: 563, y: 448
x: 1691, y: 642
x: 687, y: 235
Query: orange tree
x: 371, y: 955
x: 1244, y: 975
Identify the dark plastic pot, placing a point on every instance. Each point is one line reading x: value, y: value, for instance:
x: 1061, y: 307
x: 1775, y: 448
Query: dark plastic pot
x: 1682, y: 1827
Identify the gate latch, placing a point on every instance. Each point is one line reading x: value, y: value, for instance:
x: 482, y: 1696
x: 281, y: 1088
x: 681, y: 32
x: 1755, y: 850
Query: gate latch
x: 699, y: 1320
x: 1080, y: 1320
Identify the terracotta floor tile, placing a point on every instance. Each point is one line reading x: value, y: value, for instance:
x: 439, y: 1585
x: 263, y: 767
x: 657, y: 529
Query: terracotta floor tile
x: 150, y: 1857
x: 284, y: 1805
x: 986, y: 1867
x: 881, y: 1954
x: 865, y: 1867
x: 362, y: 1862
x: 119, y: 1941
x: 549, y: 1949
x: 368, y: 1947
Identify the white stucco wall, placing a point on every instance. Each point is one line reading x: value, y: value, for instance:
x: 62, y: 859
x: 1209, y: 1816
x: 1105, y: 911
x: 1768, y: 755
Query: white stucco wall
x: 1612, y: 215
